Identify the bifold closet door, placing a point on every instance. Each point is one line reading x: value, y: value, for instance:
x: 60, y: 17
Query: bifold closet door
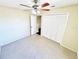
x: 53, y: 26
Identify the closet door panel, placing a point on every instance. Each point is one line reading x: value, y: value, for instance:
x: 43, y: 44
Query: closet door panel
x: 53, y: 26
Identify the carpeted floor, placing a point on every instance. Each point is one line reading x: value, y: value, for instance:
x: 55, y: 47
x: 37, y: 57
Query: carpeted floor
x: 36, y: 47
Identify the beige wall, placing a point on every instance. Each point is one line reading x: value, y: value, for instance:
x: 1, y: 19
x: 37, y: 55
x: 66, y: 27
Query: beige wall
x: 14, y: 24
x: 39, y: 21
x: 0, y: 51
x: 70, y: 35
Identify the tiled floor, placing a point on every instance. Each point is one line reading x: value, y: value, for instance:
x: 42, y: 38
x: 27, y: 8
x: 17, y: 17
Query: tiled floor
x: 36, y: 47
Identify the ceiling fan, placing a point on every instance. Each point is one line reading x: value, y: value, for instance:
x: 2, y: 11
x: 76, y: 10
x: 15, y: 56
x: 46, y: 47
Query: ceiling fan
x: 36, y: 6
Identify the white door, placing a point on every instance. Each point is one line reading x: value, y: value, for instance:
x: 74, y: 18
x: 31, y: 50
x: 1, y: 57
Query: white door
x: 53, y: 26
x: 33, y: 24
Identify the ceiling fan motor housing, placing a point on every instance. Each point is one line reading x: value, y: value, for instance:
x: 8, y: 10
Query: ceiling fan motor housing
x: 35, y: 6
x: 35, y: 1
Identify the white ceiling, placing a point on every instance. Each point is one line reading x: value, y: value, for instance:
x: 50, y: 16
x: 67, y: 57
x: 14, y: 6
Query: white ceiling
x: 15, y: 3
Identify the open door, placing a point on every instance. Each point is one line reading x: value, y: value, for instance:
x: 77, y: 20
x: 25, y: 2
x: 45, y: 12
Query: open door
x: 33, y: 24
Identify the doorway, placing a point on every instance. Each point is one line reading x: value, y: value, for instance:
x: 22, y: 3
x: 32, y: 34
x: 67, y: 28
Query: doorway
x: 39, y: 25
x: 35, y: 24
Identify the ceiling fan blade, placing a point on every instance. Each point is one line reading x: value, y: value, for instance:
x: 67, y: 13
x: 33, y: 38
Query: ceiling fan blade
x: 53, y: 6
x: 25, y: 5
x: 45, y: 4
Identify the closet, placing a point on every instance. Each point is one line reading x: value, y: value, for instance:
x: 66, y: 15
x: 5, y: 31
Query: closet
x: 53, y: 26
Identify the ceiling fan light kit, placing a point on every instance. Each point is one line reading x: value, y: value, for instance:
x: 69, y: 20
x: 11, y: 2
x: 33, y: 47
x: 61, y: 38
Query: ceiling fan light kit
x: 35, y: 6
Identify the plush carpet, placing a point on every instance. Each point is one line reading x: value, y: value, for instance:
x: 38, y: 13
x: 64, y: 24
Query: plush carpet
x: 36, y: 47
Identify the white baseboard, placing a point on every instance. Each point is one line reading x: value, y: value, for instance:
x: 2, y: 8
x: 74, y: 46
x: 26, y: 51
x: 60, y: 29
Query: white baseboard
x: 68, y: 48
